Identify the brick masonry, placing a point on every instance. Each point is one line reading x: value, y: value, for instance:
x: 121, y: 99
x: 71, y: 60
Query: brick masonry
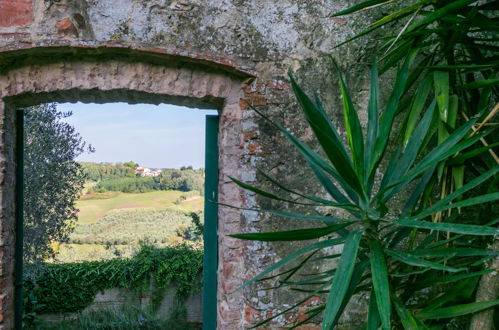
x: 225, y: 54
x: 15, y: 12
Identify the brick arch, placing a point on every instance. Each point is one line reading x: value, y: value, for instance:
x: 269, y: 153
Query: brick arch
x: 102, y: 81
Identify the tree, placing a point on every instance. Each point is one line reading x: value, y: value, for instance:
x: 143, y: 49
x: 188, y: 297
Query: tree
x: 131, y: 164
x: 52, y: 180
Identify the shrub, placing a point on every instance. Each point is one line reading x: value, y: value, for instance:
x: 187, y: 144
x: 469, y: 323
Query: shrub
x: 395, y: 255
x: 71, y: 287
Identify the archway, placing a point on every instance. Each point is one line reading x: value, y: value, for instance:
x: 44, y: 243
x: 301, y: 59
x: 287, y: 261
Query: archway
x: 100, y: 80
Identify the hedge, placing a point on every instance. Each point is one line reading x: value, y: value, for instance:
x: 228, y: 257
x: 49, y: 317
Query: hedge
x: 70, y: 287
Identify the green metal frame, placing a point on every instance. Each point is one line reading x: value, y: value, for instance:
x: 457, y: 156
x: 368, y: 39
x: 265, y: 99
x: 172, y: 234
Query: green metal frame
x: 210, y: 262
x: 19, y: 224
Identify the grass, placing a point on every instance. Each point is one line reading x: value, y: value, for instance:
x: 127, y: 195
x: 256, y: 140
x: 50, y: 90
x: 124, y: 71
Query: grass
x: 112, y: 224
x: 195, y: 203
x: 126, y: 318
x: 99, y: 205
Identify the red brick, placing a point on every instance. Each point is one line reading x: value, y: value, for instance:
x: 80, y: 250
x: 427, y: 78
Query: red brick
x: 256, y: 100
x: 15, y: 12
x: 228, y: 270
x: 14, y: 36
x: 277, y: 84
x: 250, y: 135
x: 243, y: 104
x: 339, y: 20
x: 255, y: 149
x: 251, y: 315
x: 66, y: 27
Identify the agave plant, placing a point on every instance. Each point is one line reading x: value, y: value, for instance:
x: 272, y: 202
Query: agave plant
x: 392, y: 254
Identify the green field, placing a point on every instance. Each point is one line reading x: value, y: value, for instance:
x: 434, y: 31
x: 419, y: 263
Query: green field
x: 112, y: 224
x: 99, y: 205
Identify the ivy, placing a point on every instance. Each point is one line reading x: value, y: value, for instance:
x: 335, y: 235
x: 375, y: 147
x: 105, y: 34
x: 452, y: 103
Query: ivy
x: 70, y: 287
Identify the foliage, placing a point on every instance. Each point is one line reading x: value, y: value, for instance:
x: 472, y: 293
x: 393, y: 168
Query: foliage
x: 458, y: 64
x: 197, y: 227
x: 118, y: 177
x: 132, y: 226
x: 131, y: 164
x: 396, y: 255
x: 72, y: 287
x: 103, y: 171
x: 52, y: 179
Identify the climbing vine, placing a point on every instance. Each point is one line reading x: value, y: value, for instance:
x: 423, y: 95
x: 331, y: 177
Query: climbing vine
x: 71, y: 287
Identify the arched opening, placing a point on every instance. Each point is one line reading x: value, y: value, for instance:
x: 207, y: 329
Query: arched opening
x: 111, y: 81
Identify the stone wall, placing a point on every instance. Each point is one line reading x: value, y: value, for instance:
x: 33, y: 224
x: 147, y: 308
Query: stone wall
x: 219, y: 53
x: 119, y: 298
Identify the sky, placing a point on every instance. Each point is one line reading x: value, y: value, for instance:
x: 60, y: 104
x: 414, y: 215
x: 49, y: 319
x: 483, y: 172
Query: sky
x: 164, y: 136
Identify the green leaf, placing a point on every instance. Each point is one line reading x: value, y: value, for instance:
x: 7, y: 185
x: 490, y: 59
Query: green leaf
x: 379, y: 272
x: 467, y: 202
x: 411, y: 152
x: 441, y: 81
x: 453, y: 108
x: 458, y: 252
x: 353, y: 128
x: 388, y: 116
x: 311, y: 156
x: 458, y: 176
x: 449, y: 227
x: 418, y: 262
x: 481, y: 84
x: 443, y: 203
x: 400, y: 13
x: 341, y: 280
x: 353, y: 286
x: 417, y: 191
x: 458, y: 310
x: 326, y: 182
x: 460, y: 159
x: 373, y: 319
x: 448, y: 279
x: 409, y: 321
x: 417, y: 105
x: 265, y: 193
x: 291, y: 235
x: 451, y: 7
x: 461, y: 289
x: 293, y: 256
x: 372, y: 122
x: 439, y: 153
x: 337, y: 196
x: 323, y: 218
x: 360, y: 6
x: 386, y: 19
x: 327, y: 137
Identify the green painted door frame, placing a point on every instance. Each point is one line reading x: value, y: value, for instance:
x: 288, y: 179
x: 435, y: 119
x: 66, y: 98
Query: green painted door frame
x: 210, y: 262
x: 19, y: 224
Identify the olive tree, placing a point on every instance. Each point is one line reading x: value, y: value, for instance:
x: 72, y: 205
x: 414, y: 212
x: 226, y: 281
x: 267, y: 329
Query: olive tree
x: 52, y: 180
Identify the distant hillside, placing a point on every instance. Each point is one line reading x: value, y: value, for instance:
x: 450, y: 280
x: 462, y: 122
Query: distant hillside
x: 130, y: 177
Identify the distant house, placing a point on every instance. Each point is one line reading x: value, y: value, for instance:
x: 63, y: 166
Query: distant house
x: 144, y: 171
